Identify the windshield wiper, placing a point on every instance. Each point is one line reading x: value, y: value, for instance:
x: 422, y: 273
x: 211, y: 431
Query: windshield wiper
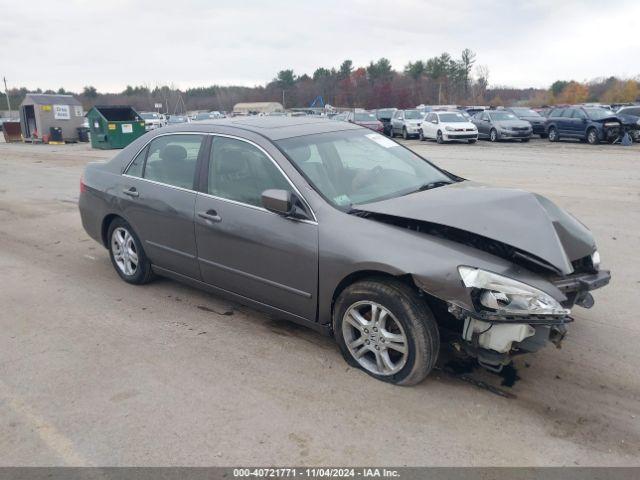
x: 430, y: 185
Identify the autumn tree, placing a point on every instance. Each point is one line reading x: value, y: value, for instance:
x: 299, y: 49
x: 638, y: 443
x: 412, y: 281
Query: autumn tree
x: 573, y: 92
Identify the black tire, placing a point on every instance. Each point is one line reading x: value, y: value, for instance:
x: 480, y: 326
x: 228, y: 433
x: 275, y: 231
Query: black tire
x: 405, y: 135
x: 493, y: 135
x: 525, y: 140
x: 543, y: 135
x: 592, y: 136
x: 552, y: 134
x: 439, y: 138
x: 392, y: 133
x: 472, y: 140
x: 142, y: 273
x: 421, y: 136
x: 409, y: 310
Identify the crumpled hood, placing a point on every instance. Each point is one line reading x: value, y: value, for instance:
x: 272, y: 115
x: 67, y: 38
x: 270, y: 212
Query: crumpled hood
x: 523, y: 220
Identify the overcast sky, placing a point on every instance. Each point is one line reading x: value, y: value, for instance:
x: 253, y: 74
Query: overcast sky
x: 113, y: 43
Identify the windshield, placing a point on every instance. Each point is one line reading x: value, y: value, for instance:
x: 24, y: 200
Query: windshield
x: 452, y: 117
x: 525, y: 112
x: 386, y: 113
x: 353, y: 167
x: 365, y: 117
x: 598, y: 113
x: 502, y: 116
x: 149, y: 116
x: 412, y: 115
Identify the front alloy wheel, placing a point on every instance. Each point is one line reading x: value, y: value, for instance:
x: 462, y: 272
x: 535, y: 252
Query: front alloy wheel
x: 592, y: 136
x: 384, y: 327
x: 405, y: 135
x: 493, y: 135
x: 375, y: 338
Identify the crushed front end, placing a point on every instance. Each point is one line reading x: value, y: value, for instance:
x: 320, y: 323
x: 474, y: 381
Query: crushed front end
x: 509, y: 317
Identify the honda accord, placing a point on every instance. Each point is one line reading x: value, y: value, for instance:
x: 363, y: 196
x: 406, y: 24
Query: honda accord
x: 342, y: 229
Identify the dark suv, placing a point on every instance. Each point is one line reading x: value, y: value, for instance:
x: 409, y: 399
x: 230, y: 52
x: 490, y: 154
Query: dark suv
x: 590, y: 124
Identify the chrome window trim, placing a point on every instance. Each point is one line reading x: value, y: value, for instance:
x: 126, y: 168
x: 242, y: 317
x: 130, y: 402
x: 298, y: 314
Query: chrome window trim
x: 189, y: 190
x: 235, y: 202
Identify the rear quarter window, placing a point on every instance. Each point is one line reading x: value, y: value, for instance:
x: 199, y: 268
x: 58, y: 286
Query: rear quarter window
x: 136, y: 167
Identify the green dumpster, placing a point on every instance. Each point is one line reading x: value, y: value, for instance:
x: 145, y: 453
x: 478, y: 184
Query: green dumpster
x: 114, y: 126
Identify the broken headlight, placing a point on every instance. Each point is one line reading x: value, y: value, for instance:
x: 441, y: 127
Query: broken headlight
x: 506, y: 296
x: 595, y: 260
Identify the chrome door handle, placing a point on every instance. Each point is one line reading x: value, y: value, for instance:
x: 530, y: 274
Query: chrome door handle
x: 210, y: 215
x: 132, y: 192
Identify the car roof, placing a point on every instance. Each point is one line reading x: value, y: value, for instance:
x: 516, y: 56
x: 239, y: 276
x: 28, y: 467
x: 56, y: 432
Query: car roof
x: 273, y: 128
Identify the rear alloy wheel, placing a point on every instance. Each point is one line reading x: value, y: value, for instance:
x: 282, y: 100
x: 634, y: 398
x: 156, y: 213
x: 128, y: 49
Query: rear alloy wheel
x: 592, y: 136
x: 127, y: 255
x: 439, y: 138
x: 405, y: 135
x: 385, y: 329
x: 553, y: 134
x: 493, y: 135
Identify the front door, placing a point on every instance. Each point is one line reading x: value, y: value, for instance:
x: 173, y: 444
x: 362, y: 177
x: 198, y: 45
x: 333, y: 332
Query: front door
x: 159, y: 200
x: 242, y: 247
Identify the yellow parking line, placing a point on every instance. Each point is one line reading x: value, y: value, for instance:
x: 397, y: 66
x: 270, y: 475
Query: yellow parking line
x: 49, y: 434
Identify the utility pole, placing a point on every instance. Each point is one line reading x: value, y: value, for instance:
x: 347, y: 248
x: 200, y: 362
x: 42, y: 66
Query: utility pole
x: 283, y: 105
x: 6, y: 92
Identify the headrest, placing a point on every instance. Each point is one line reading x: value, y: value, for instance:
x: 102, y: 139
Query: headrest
x: 173, y: 153
x: 230, y: 161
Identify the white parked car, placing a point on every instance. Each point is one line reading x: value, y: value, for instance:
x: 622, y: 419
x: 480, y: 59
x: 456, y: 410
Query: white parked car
x: 152, y: 120
x: 448, y: 126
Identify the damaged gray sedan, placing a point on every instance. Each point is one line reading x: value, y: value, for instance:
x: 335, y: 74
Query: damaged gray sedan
x: 341, y: 229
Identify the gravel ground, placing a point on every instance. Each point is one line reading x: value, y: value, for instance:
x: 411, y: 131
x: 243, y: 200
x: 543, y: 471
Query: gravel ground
x: 97, y: 372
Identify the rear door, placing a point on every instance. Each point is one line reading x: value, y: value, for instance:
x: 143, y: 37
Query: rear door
x: 159, y: 200
x: 565, y: 127
x: 246, y: 249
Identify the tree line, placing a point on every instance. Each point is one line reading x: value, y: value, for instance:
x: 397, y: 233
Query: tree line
x: 443, y: 79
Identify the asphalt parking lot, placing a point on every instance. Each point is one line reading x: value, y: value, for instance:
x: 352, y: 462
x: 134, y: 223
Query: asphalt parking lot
x: 94, y: 371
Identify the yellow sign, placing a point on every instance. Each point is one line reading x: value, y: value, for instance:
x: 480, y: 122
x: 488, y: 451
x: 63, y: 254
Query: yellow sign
x: 46, y: 108
x: 112, y: 126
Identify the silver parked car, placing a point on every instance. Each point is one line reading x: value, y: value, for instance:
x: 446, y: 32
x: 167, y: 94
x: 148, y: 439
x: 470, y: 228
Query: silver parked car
x: 501, y: 125
x: 406, y: 123
x: 340, y: 228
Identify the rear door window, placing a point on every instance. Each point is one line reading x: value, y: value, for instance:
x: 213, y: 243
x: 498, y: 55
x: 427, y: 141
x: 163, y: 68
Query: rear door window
x: 556, y: 112
x: 172, y: 159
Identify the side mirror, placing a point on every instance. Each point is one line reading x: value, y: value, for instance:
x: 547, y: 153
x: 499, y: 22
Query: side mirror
x: 278, y: 201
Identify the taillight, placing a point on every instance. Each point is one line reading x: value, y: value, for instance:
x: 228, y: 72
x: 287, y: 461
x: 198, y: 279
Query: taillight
x: 83, y: 187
